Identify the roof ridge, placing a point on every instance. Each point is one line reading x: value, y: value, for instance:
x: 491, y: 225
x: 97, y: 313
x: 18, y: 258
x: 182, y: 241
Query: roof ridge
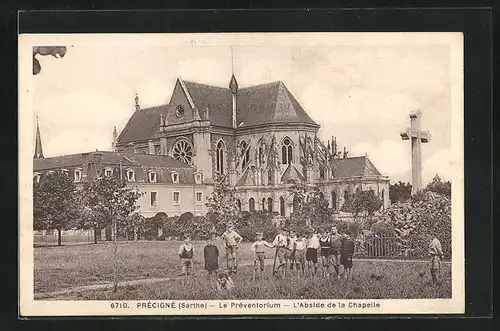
x: 208, y: 85
x: 263, y: 84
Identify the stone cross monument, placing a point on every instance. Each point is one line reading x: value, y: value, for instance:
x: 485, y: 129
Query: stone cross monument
x: 417, y: 136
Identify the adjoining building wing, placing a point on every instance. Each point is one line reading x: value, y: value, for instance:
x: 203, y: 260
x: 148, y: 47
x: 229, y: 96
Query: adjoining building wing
x: 359, y: 166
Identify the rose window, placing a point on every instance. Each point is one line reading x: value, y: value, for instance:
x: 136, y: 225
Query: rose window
x: 183, y: 151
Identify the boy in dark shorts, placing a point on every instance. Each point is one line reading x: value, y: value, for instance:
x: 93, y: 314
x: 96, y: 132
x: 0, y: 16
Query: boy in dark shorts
x: 312, y: 246
x: 324, y: 242
x: 346, y: 255
x: 211, y: 255
x: 186, y: 252
x: 335, y: 249
x: 300, y: 254
x: 281, y: 243
x: 231, y: 240
x: 259, y: 254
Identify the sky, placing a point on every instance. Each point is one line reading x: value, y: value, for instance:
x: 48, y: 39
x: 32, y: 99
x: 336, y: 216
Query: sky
x: 360, y: 93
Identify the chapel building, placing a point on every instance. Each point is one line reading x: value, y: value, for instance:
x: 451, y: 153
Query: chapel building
x: 259, y: 137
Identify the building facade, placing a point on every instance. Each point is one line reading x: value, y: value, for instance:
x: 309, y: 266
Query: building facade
x: 260, y: 137
x: 168, y: 185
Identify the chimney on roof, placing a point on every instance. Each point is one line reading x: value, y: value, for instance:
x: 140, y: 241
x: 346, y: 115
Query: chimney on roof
x: 233, y: 85
x: 115, y: 139
x: 137, y: 107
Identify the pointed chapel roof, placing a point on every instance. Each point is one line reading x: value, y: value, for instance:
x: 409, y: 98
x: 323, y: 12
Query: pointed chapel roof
x: 255, y: 105
x: 359, y: 166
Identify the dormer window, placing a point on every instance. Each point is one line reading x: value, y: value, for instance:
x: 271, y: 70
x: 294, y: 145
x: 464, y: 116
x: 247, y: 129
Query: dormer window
x: 175, y: 177
x: 108, y: 172
x: 78, y: 175
x: 37, y: 177
x: 152, y: 176
x: 197, y: 178
x: 130, y: 175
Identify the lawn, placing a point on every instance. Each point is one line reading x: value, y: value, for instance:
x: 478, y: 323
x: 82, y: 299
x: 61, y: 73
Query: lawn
x: 61, y: 267
x: 57, y: 268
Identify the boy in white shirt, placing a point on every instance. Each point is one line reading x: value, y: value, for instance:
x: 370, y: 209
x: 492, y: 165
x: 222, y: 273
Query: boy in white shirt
x: 300, y: 254
x: 312, y: 246
x: 259, y: 254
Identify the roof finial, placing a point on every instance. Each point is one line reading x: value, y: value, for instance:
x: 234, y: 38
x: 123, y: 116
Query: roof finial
x: 137, y: 107
x: 232, y: 61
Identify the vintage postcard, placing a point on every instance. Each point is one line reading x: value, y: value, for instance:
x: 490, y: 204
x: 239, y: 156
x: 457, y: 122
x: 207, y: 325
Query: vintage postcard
x: 241, y: 174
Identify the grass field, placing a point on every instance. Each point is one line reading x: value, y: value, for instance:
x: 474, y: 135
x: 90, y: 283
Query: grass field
x: 57, y: 268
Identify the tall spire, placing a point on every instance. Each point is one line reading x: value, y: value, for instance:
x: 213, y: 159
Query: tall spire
x: 38, y: 142
x: 233, y: 86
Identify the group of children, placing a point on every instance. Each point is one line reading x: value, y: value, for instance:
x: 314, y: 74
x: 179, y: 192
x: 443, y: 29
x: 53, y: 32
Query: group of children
x: 303, y: 252
x: 300, y: 251
x: 306, y: 251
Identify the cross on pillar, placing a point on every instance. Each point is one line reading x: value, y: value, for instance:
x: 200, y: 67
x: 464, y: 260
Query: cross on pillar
x: 417, y: 136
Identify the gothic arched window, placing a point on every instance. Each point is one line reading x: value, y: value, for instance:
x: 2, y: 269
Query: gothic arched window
x: 282, y: 206
x: 270, y: 175
x: 238, y: 204
x: 251, y: 204
x: 245, y: 154
x: 270, y: 204
x: 296, y: 204
x: 220, y: 157
x: 263, y: 203
x: 286, y: 151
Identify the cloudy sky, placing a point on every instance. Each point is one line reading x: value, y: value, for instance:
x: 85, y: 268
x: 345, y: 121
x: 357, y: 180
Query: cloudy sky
x: 362, y: 93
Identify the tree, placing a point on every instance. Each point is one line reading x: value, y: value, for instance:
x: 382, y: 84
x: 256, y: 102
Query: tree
x: 310, y: 206
x: 222, y: 203
x: 362, y: 203
x: 439, y: 186
x: 54, y: 205
x: 399, y: 191
x: 111, y: 203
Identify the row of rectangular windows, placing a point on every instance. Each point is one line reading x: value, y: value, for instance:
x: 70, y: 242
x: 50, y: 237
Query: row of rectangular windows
x: 153, y: 198
x: 130, y: 176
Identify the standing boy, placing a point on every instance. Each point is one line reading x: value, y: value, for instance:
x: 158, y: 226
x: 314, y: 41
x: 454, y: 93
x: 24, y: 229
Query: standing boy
x: 259, y: 254
x: 231, y: 240
x: 186, y: 252
x: 211, y: 255
x: 280, y: 242
x: 324, y: 242
x: 347, y: 251
x: 300, y: 254
x: 335, y: 249
x: 436, y: 254
x: 312, y: 246
x: 290, y: 249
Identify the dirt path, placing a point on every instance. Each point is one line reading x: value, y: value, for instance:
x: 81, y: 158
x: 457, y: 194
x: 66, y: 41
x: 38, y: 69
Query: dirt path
x: 72, y: 292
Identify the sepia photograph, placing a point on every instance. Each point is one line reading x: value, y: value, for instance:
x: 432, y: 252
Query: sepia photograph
x: 242, y: 173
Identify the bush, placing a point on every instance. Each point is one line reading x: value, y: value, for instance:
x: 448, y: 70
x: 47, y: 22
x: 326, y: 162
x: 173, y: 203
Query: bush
x: 254, y: 222
x: 418, y: 219
x: 383, y: 229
